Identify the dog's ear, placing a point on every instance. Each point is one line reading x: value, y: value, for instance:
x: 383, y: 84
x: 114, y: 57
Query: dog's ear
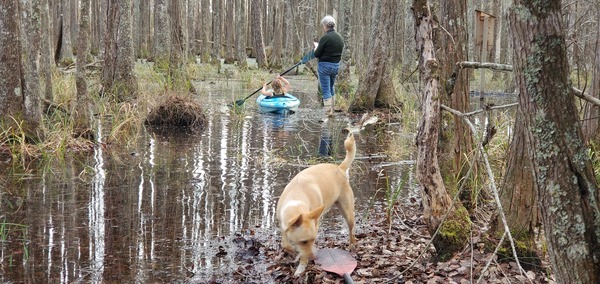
x: 316, y: 212
x: 295, y: 221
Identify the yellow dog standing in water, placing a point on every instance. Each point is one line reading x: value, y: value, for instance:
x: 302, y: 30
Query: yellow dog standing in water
x: 308, y: 196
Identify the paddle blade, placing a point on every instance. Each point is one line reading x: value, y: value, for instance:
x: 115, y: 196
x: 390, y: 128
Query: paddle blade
x: 337, y: 261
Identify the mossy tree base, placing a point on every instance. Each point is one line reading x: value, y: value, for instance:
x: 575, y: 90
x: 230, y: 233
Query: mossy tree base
x: 453, y: 234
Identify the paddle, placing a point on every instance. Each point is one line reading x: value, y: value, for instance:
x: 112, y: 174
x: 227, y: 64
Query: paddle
x: 307, y: 57
x: 337, y: 261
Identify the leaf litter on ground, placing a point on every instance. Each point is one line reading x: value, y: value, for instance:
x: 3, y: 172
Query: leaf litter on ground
x: 400, y: 253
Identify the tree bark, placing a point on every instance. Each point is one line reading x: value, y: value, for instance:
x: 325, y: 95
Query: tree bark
x: 436, y: 200
x: 257, y: 34
x: 11, y: 85
x: 215, y: 52
x: 46, y: 62
x: 162, y: 32
x: 205, y: 31
x: 117, y: 73
x: 456, y: 137
x: 277, y: 42
x: 229, y: 33
x: 343, y: 79
x: 240, y: 37
x: 31, y: 74
x: 66, y: 46
x: 591, y: 121
x: 375, y: 87
x: 80, y: 106
x: 567, y: 191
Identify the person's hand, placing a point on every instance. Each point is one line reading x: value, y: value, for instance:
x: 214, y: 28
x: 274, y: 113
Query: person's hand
x: 315, y: 44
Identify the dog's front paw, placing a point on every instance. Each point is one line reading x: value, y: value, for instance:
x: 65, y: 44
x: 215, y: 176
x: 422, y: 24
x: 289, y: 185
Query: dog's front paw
x: 300, y: 269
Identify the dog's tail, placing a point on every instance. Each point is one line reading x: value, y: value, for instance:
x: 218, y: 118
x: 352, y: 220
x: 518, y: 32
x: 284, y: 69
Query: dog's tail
x: 350, y: 146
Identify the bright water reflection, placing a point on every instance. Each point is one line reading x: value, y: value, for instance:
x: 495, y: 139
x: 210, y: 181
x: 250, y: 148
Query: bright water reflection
x: 167, y: 210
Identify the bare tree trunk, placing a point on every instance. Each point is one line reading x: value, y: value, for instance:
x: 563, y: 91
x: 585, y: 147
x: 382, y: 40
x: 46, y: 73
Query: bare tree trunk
x: 215, y: 53
x: 205, y: 31
x: 518, y: 196
x: 145, y: 44
x: 457, y: 138
x: 257, y: 34
x: 135, y: 16
x: 162, y: 31
x: 375, y: 87
x: 80, y: 106
x: 31, y: 64
x: 293, y: 33
x: 240, y: 38
x: 436, y: 200
x: 229, y: 33
x: 74, y: 14
x: 192, y: 14
x: 117, y: 74
x: 11, y: 84
x: 66, y: 46
x: 104, y: 34
x: 567, y: 191
x: 46, y: 62
x: 277, y: 47
x: 343, y: 80
x: 590, y: 122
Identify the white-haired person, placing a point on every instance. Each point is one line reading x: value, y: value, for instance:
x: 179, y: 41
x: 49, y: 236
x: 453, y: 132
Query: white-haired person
x: 329, y: 52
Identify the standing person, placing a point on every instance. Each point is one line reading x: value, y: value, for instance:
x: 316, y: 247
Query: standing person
x: 329, y: 52
x: 280, y: 87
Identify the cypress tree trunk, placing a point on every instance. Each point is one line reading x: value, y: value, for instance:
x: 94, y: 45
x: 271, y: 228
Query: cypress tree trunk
x: 240, y: 37
x: 80, y: 106
x: 117, y: 74
x: 454, y: 232
x: 66, y: 46
x: 567, y: 191
x: 257, y: 34
x: 11, y: 85
x: 31, y: 74
x: 162, y: 32
x: 215, y: 52
x: 375, y: 87
x: 229, y: 34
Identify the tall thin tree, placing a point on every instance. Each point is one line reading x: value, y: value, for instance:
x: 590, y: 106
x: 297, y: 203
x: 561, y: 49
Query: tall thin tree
x: 80, y: 106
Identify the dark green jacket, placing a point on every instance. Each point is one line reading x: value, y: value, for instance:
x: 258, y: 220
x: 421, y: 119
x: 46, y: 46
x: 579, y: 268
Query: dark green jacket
x: 330, y: 47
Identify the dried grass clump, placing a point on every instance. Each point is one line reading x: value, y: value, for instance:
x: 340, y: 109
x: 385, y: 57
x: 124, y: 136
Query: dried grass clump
x: 179, y: 112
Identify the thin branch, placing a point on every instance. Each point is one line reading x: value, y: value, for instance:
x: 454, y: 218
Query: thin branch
x: 582, y: 95
x: 487, y: 265
x: 492, y: 184
x: 485, y: 65
x: 507, y: 67
x: 490, y: 108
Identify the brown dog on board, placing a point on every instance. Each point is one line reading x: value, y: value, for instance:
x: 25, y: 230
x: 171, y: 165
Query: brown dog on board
x: 307, y: 197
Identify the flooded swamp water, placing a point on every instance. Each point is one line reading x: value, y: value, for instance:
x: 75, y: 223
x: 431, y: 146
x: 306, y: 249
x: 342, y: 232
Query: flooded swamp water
x: 185, y: 207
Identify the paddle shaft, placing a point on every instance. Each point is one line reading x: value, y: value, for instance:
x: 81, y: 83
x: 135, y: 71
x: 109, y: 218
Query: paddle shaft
x: 348, y: 278
x: 284, y: 72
